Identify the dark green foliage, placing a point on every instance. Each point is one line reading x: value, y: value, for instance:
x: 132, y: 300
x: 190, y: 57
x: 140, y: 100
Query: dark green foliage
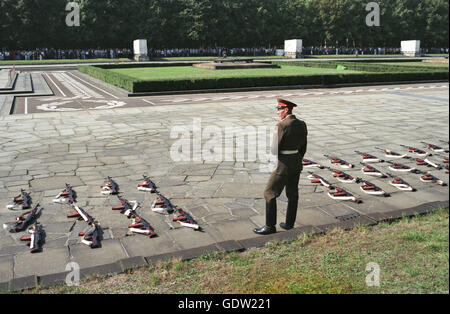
x: 28, y: 24
x: 112, y: 78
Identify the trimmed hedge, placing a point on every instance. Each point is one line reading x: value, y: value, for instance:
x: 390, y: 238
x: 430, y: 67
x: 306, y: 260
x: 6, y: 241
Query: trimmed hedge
x: 145, y: 65
x: 325, y: 79
x: 140, y: 86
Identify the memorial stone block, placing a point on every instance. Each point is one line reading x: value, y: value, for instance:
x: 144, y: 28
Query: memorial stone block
x: 293, y: 48
x: 410, y: 48
x: 140, y: 50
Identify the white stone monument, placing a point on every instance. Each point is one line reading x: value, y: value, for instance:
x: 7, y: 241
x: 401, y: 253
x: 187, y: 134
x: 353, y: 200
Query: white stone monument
x: 140, y: 50
x: 293, y: 48
x: 411, y: 48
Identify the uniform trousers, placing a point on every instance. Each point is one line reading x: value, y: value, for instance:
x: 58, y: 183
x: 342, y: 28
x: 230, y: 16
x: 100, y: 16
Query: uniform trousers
x: 274, y: 187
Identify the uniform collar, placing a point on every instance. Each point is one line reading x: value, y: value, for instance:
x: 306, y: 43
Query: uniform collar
x: 288, y: 116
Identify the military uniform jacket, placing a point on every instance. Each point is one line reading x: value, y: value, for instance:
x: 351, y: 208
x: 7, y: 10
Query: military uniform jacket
x: 291, y: 135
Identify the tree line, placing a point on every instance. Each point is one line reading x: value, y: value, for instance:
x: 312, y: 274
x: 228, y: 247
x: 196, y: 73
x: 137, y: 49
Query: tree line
x: 29, y: 24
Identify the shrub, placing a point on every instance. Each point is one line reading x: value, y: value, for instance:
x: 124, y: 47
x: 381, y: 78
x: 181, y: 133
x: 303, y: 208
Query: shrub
x: 372, y: 74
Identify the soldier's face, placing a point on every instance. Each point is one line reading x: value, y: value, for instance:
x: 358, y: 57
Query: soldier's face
x: 282, y: 113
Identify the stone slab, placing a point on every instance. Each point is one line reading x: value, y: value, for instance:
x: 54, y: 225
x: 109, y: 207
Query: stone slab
x: 314, y: 217
x: 234, y: 229
x: 110, y: 252
x: 55, y: 183
x: 182, y: 254
x: 132, y: 262
x: 48, y: 261
x: 138, y: 245
x: 239, y: 190
x: 187, y: 238
x: 348, y: 224
x: 230, y: 246
x: 6, y: 268
x: 53, y: 279
x: 4, y: 287
x: 104, y: 269
x: 23, y: 283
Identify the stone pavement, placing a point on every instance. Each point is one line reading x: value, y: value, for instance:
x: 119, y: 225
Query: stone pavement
x: 40, y: 152
x: 4, y: 79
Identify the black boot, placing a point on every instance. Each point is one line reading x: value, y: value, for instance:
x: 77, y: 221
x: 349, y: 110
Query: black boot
x: 291, y: 214
x: 271, y: 219
x: 265, y: 230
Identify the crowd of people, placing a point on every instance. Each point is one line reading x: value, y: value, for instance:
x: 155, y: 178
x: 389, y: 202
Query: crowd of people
x: 51, y: 53
x: 214, y: 51
x: 309, y: 51
x: 114, y: 53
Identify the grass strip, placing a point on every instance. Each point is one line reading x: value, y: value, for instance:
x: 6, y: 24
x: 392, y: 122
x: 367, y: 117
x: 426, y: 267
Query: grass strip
x: 412, y: 253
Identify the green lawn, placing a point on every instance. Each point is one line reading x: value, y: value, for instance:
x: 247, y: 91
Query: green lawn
x: 415, y: 64
x: 189, y: 72
x: 376, y: 56
x: 61, y: 61
x: 350, y: 56
x: 412, y: 254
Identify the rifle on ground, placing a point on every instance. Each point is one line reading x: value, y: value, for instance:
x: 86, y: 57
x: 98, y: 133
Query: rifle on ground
x: 427, y: 162
x: 368, y: 157
x: 391, y: 154
x: 22, y: 222
x: 318, y: 179
x: 342, y: 176
x: 372, y: 189
x: 400, y: 167
x: 66, y: 196
x: 141, y: 226
x: 344, y: 164
x: 335, y: 193
x: 22, y: 201
x: 445, y: 159
x: 429, y: 178
x: 372, y: 171
x: 110, y: 187
x: 147, y: 185
x: 126, y: 207
x: 435, y: 148
x: 400, y: 184
x: 186, y: 220
x: 80, y: 213
x: 310, y: 164
x: 36, y: 237
x: 418, y: 152
x: 342, y: 195
x: 161, y: 204
x: 92, y: 237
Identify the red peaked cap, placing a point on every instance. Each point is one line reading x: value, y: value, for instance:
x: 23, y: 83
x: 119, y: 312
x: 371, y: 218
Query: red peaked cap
x: 285, y: 103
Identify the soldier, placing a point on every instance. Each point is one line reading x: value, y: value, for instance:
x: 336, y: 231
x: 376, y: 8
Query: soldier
x: 290, y: 146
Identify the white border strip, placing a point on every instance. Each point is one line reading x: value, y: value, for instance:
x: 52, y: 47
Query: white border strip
x: 55, y: 85
x: 102, y: 90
